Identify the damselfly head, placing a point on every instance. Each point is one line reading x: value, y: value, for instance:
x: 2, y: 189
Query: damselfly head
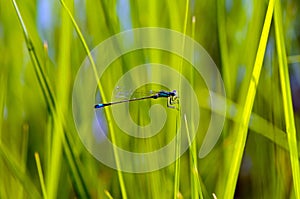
x: 174, y: 93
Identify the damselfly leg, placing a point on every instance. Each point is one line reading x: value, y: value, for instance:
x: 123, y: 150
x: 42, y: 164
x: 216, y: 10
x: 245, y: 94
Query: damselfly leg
x: 172, y: 100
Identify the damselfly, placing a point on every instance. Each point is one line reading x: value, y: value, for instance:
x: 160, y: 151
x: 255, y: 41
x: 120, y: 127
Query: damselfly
x: 171, y: 95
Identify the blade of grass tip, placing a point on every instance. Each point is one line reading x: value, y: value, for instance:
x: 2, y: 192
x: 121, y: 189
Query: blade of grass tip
x: 16, y: 171
x: 42, y: 78
x: 40, y: 172
x: 192, y: 77
x: 183, y: 42
x: 241, y: 128
x: 53, y: 146
x: 195, y: 182
x: 49, y: 98
x: 47, y: 92
x: 46, y: 89
x: 214, y: 196
x: 107, y: 113
x: 193, y: 162
x: 108, y: 194
x: 286, y: 97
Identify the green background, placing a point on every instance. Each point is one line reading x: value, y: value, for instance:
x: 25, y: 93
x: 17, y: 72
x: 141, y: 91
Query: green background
x: 255, y: 45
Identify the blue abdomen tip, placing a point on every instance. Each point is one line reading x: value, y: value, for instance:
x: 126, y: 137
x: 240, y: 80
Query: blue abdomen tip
x: 99, y: 106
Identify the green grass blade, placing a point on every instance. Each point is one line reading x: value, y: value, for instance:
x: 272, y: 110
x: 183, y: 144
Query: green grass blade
x: 108, y: 194
x: 107, y: 113
x: 86, y: 48
x: 177, y: 193
x: 258, y: 124
x: 42, y: 78
x: 51, y: 103
x: 62, y: 90
x: 196, y: 191
x: 287, y: 97
x: 14, y: 166
x: 49, y: 97
x: 40, y: 172
x: 226, y: 70
x: 56, y: 158
x: 241, y: 128
x: 177, y: 162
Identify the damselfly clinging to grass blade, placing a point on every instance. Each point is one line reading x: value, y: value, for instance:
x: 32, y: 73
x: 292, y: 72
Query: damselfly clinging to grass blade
x: 171, y: 95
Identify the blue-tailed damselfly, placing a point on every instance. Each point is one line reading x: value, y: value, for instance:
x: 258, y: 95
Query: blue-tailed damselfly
x: 171, y: 95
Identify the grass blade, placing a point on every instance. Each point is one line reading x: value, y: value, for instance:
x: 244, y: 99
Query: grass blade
x: 51, y: 103
x: 224, y: 48
x: 177, y: 193
x: 195, y: 182
x: 241, y: 128
x: 40, y: 172
x: 109, y: 118
x: 16, y: 170
x: 42, y: 78
x: 287, y: 97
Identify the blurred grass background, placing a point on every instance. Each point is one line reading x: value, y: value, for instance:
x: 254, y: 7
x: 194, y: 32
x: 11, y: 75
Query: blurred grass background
x: 255, y: 45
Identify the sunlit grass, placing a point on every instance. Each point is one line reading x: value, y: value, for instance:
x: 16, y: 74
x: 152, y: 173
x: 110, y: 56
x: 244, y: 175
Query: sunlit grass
x: 241, y: 128
x: 287, y: 98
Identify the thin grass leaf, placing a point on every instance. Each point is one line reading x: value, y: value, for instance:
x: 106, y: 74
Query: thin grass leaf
x: 257, y: 123
x: 63, y: 90
x: 196, y: 191
x: 108, y: 194
x: 42, y: 78
x: 177, y: 162
x: 177, y: 165
x: 241, y: 128
x: 107, y: 113
x: 41, y: 176
x: 56, y: 157
x: 50, y: 100
x: 226, y: 70
x: 287, y: 97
